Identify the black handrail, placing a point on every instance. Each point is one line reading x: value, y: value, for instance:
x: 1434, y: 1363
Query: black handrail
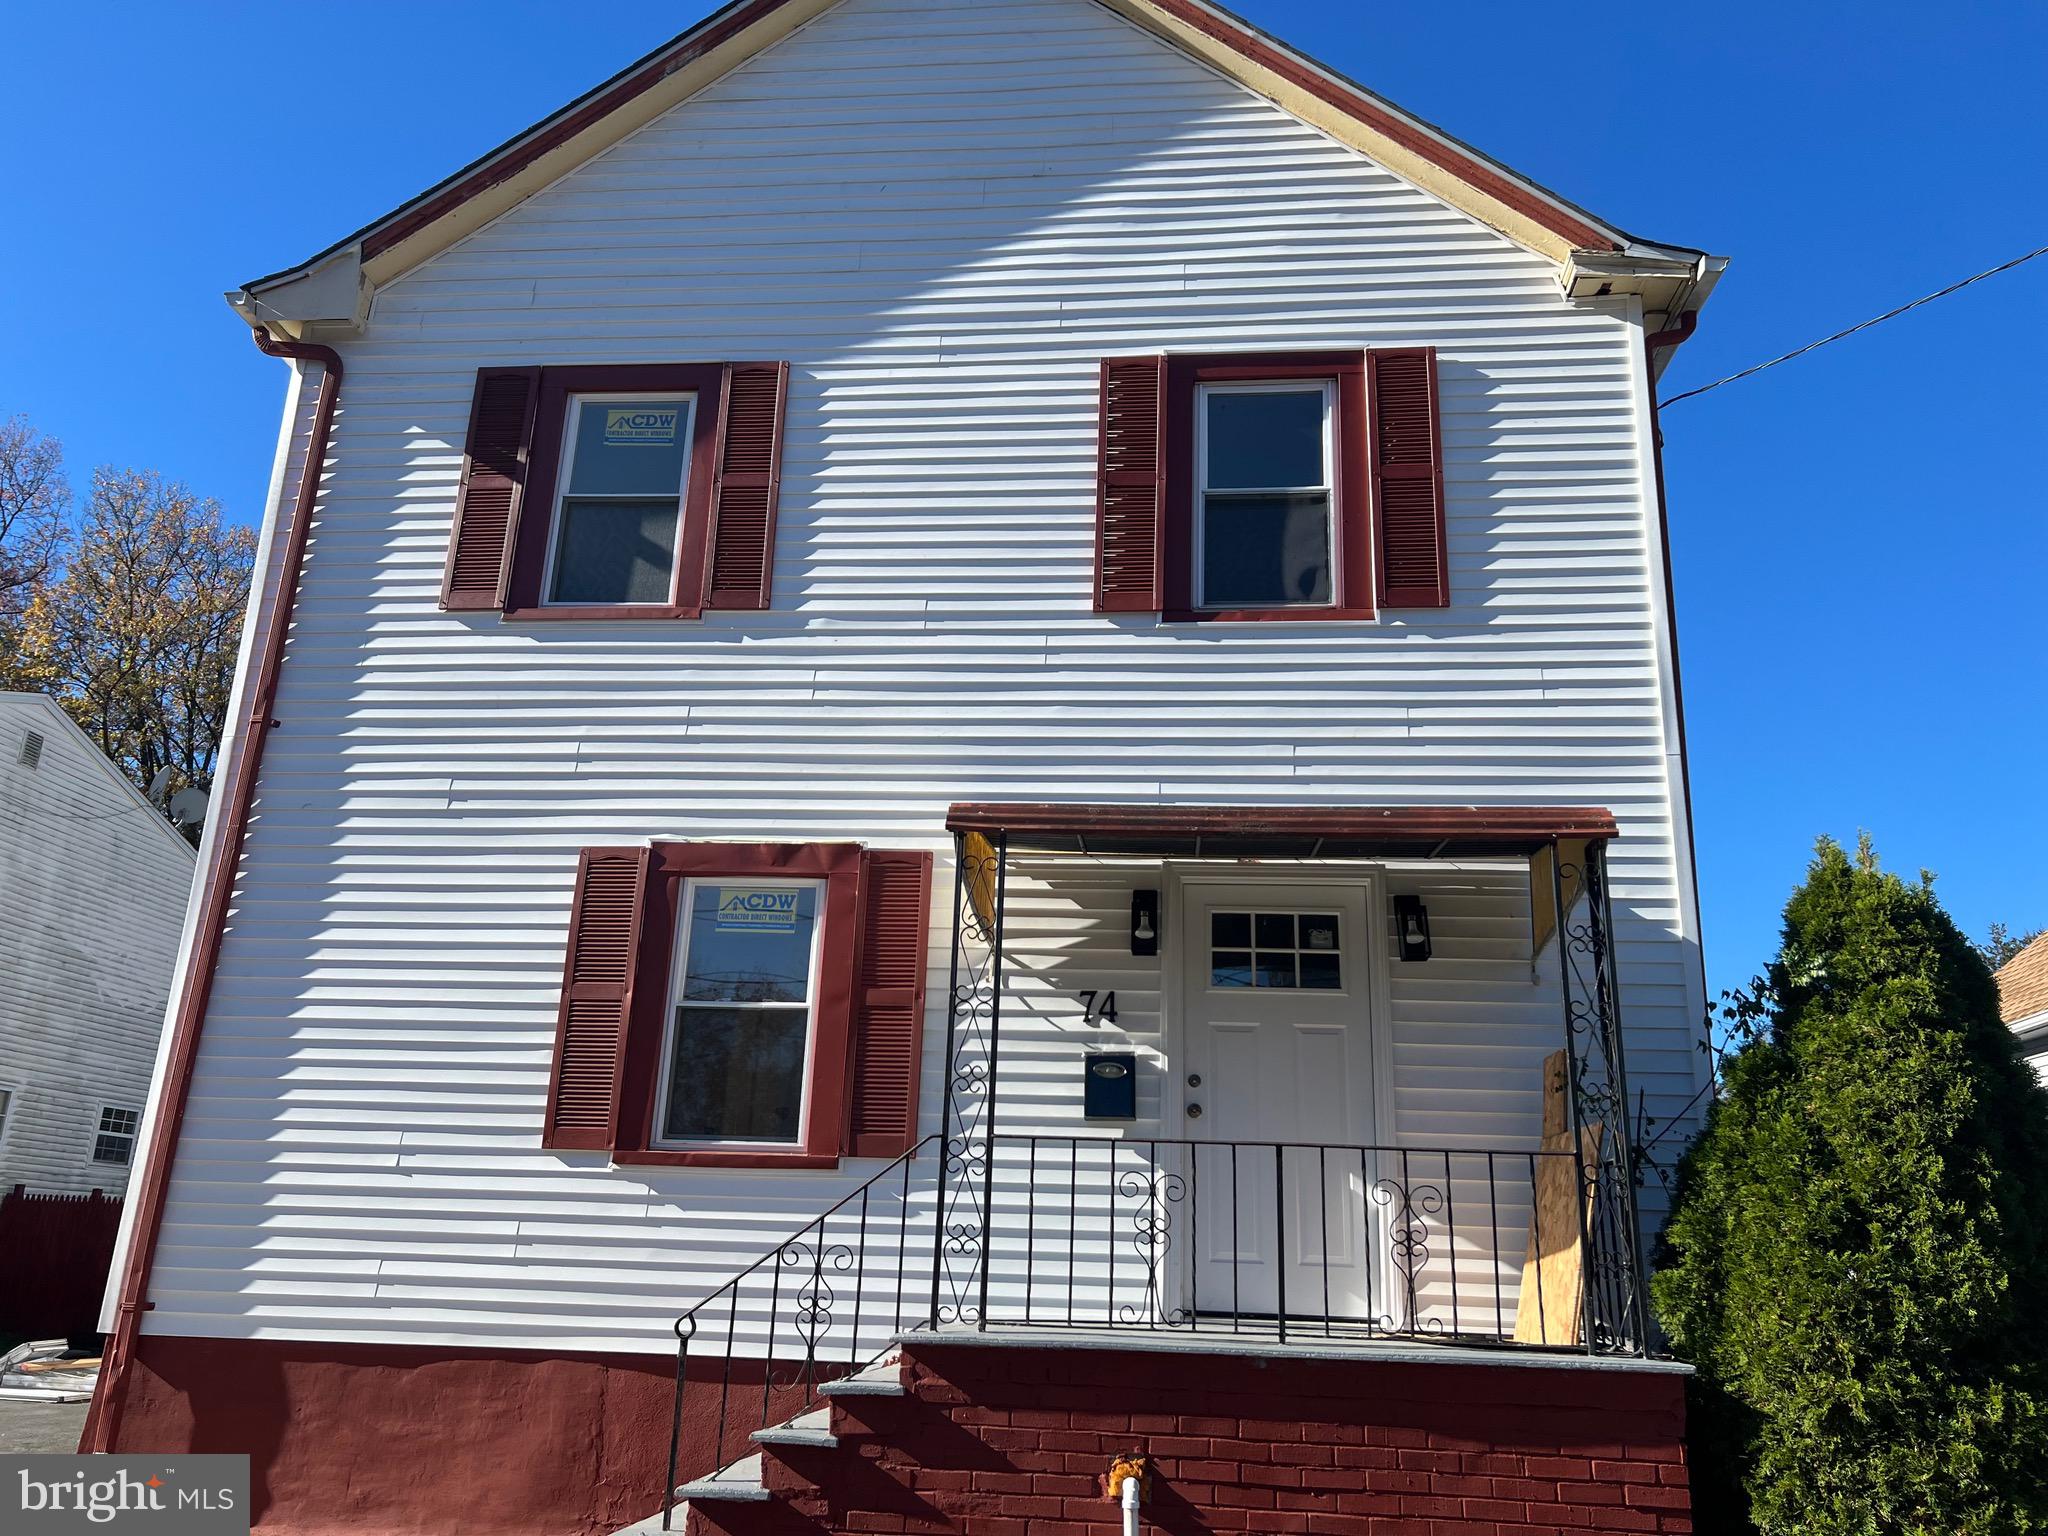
x: 810, y: 1315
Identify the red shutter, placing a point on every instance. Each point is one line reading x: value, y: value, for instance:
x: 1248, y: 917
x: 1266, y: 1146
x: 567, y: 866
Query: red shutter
x: 597, y: 994
x: 749, y: 480
x: 493, y: 480
x: 1408, y: 478
x: 1131, y: 486
x: 888, y: 1006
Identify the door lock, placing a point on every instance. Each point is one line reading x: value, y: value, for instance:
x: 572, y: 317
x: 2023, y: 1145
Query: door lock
x: 1194, y: 1111
x: 1194, y: 1079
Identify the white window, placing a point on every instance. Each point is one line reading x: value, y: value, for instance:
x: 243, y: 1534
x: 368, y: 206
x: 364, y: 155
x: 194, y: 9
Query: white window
x: 737, y: 1054
x: 1265, y: 534
x: 115, y: 1142
x: 6, y: 1105
x: 618, y: 505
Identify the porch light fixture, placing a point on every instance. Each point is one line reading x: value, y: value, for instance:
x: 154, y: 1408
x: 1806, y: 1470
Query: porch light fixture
x: 1411, y: 927
x: 1144, y: 922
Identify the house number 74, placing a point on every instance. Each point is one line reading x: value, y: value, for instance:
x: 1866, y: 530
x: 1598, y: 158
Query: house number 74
x: 1097, y: 1006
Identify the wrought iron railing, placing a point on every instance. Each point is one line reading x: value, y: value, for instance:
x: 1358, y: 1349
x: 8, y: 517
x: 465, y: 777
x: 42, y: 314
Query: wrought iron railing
x: 828, y: 1300
x: 1283, y: 1240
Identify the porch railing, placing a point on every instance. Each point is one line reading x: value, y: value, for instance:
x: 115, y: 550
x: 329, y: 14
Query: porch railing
x: 1279, y: 1240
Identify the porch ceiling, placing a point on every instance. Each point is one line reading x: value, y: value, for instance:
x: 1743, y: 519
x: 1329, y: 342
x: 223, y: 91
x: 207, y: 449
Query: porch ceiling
x: 1282, y: 831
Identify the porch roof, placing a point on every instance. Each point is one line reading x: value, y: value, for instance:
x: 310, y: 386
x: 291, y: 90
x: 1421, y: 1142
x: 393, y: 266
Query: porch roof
x: 1282, y: 831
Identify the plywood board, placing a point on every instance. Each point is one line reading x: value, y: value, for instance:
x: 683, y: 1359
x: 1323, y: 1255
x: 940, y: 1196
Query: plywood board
x: 1550, y: 1308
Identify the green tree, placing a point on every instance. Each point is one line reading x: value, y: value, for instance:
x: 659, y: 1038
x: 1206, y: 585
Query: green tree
x: 1857, y: 1259
x: 2001, y: 944
x: 33, y: 532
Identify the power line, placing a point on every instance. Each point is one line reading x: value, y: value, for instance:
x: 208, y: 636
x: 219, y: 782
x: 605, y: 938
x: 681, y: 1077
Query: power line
x: 1890, y: 314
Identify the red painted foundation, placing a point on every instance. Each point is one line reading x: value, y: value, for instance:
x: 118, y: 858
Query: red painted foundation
x: 991, y: 1441
x: 422, y: 1442
x: 998, y: 1441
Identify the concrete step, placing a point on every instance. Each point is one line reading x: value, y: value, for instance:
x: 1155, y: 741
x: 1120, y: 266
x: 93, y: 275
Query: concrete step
x: 739, y: 1483
x: 813, y: 1429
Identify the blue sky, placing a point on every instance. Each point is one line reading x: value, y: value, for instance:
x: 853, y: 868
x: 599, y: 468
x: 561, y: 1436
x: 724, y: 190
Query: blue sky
x: 1860, y: 537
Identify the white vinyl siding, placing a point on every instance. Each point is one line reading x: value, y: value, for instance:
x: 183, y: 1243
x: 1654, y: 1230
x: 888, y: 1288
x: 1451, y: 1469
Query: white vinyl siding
x: 943, y: 217
x: 92, y: 889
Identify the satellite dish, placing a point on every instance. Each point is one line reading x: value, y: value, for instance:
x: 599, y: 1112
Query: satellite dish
x: 188, y: 807
x: 158, y: 785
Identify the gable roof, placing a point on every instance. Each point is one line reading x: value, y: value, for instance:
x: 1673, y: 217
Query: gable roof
x: 1595, y: 258
x: 118, y: 785
x: 2023, y: 983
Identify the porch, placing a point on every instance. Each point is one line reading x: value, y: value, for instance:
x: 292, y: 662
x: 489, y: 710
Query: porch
x: 1192, y: 1057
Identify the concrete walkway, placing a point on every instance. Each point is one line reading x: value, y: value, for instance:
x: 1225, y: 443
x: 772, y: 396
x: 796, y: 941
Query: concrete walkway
x: 41, y: 1427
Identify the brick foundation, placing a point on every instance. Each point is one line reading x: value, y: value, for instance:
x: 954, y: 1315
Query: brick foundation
x: 1012, y: 1441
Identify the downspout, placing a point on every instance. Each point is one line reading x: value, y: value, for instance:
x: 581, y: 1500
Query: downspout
x: 154, y: 1184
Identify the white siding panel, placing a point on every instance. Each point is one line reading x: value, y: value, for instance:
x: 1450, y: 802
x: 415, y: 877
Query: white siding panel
x: 92, y: 890
x: 943, y: 217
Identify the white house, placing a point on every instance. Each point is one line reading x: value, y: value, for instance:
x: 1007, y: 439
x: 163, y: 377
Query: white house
x: 2023, y: 1001
x: 93, y: 883
x: 1080, y: 445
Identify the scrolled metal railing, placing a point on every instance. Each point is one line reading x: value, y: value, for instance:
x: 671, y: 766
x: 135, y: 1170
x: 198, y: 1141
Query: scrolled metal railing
x: 825, y: 1302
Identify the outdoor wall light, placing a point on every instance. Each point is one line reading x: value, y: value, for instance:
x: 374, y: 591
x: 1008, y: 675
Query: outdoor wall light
x: 1411, y: 927
x: 1144, y: 922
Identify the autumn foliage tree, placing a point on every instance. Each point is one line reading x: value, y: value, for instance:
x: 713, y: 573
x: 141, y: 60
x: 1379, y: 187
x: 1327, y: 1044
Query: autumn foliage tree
x: 137, y: 637
x: 34, y: 497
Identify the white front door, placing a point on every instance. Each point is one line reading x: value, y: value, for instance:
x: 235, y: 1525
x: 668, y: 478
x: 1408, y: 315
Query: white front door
x: 1277, y: 1055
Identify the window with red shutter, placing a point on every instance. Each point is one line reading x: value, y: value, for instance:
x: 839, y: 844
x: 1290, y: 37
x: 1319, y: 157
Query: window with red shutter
x: 889, y: 1006
x: 1408, y: 478
x: 742, y: 1004
x: 1241, y: 486
x: 597, y: 992
x: 494, y: 463
x: 627, y: 492
x: 748, y: 484
x: 1130, y: 485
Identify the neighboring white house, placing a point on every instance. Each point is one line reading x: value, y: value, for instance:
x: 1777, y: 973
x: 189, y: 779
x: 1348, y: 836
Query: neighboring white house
x: 2023, y: 1000
x: 93, y: 886
x: 1080, y: 445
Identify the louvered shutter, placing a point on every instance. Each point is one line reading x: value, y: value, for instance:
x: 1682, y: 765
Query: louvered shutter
x: 888, y: 1004
x: 1408, y: 477
x: 493, y: 480
x: 1131, y: 485
x: 597, y: 993
x: 748, y: 482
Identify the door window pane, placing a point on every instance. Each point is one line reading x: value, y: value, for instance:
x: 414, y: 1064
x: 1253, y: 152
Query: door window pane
x: 1275, y: 949
x: 614, y: 552
x: 736, y: 1074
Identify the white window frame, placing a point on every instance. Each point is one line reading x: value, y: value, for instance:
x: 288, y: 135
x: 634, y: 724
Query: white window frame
x: 680, y: 968
x: 99, y: 1129
x: 10, y: 1110
x: 565, y: 476
x: 1328, y: 489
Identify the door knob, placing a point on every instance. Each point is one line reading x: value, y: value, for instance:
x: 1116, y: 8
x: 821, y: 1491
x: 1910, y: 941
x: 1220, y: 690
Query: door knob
x: 1194, y: 1111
